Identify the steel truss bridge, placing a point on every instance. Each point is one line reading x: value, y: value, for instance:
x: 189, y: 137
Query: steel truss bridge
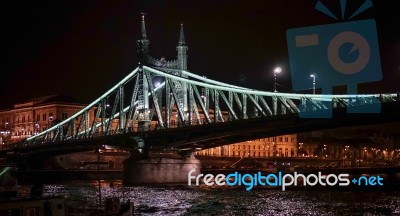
x: 161, y: 105
x: 184, y: 103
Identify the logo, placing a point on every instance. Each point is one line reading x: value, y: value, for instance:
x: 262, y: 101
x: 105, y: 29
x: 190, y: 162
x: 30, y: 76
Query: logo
x: 337, y: 54
x: 281, y: 180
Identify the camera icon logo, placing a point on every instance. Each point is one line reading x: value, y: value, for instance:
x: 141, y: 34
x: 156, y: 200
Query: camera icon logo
x: 340, y: 54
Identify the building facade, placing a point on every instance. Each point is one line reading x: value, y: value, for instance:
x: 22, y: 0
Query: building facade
x: 38, y: 114
x: 272, y: 147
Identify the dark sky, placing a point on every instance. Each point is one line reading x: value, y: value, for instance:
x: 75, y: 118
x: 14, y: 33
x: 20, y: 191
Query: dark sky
x: 82, y: 48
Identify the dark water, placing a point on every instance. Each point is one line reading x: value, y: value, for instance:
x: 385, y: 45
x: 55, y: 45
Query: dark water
x: 185, y: 200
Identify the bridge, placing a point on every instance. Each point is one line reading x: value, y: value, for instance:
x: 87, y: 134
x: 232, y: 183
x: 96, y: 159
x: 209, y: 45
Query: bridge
x: 161, y: 106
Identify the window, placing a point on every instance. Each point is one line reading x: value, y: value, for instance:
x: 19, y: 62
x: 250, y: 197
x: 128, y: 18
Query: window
x: 64, y: 116
x: 38, y: 117
x: 23, y: 119
x: 33, y: 211
x: 44, y: 117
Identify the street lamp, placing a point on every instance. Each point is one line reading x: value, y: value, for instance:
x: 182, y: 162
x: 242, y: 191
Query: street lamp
x: 313, y: 83
x: 277, y: 70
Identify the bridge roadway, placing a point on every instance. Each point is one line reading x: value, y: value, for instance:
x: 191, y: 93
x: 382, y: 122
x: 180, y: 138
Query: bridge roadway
x: 187, y: 139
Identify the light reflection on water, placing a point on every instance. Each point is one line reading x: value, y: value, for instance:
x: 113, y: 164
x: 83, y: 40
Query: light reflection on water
x: 184, y: 200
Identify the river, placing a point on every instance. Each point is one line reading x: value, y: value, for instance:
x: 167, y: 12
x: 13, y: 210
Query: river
x: 82, y: 196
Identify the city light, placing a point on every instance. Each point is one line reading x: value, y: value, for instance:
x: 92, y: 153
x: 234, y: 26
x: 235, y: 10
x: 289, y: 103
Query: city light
x: 313, y: 83
x: 277, y: 70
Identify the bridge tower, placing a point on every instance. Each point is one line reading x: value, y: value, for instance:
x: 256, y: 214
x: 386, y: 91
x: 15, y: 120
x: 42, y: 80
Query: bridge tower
x: 143, y: 87
x: 143, y: 166
x: 182, y: 65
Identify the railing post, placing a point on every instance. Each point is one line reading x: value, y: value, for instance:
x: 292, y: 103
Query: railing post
x: 275, y: 105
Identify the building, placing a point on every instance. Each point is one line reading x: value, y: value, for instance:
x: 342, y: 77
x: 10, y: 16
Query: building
x: 358, y: 143
x: 279, y: 146
x: 36, y: 115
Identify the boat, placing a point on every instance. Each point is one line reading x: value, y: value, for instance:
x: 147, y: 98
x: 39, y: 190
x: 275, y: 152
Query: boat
x: 46, y: 206
x: 11, y: 204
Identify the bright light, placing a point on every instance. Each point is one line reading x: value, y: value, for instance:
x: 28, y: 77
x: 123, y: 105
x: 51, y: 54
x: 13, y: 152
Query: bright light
x: 312, y: 75
x: 278, y: 70
x: 157, y: 84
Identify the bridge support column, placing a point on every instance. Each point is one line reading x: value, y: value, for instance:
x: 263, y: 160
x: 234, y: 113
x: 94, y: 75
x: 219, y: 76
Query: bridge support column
x: 159, y: 168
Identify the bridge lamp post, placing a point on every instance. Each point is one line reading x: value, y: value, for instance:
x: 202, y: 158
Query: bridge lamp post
x: 313, y: 76
x: 277, y: 70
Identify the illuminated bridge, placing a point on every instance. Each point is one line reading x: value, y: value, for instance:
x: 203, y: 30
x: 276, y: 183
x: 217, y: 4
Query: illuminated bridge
x: 162, y: 106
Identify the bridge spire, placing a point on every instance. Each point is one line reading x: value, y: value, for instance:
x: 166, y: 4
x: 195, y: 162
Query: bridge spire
x: 143, y: 27
x: 182, y: 50
x: 143, y: 43
x: 181, y: 37
x: 182, y: 65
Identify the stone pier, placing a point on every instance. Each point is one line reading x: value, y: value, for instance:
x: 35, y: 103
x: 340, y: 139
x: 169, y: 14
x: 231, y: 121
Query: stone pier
x: 159, y: 168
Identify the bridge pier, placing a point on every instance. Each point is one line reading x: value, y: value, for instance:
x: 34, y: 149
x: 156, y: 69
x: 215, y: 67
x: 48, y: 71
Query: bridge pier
x: 158, y: 168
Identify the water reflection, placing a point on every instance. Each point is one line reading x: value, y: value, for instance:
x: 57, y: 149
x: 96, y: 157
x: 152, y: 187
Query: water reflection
x: 184, y: 200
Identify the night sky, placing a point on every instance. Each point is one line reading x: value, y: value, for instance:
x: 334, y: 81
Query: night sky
x: 83, y: 48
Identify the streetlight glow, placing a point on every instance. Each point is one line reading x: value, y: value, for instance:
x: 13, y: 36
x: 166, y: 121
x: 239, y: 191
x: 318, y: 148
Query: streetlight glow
x: 277, y: 70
